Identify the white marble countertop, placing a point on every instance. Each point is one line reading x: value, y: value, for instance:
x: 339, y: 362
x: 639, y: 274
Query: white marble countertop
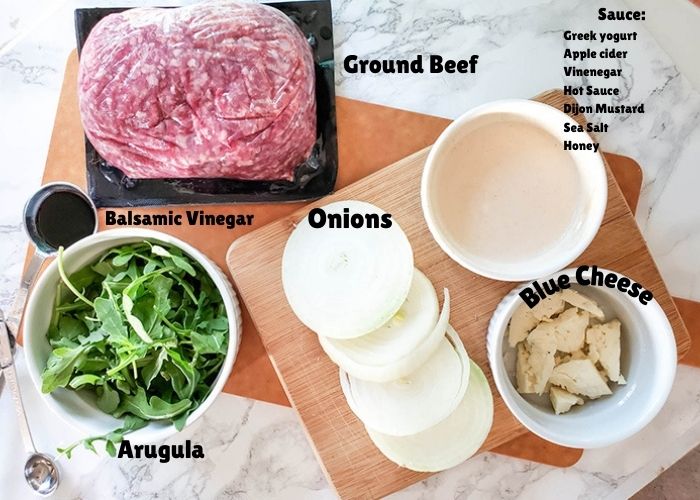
x: 258, y: 450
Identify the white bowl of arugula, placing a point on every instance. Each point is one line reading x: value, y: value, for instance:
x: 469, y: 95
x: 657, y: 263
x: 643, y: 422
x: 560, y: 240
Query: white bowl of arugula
x: 131, y: 333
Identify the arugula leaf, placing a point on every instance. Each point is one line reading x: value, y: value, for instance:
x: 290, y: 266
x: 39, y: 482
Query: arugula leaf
x: 66, y: 280
x: 95, y: 337
x: 144, y: 309
x: 110, y: 317
x: 183, y: 389
x: 132, y: 271
x: 108, y: 399
x: 83, y: 278
x: 71, y: 328
x: 159, y: 251
x: 128, y: 307
x: 151, y: 409
x: 111, y: 439
x: 160, y: 287
x: 85, y: 379
x: 151, y: 370
x: 123, y: 386
x: 103, y: 268
x: 182, y: 263
x: 179, y: 422
x: 122, y: 259
x: 213, y: 343
x: 93, y: 365
x: 111, y: 448
x: 59, y: 367
x: 150, y: 266
x: 219, y: 323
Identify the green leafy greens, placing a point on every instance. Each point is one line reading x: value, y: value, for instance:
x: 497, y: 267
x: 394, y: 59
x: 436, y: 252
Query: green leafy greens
x: 144, y: 329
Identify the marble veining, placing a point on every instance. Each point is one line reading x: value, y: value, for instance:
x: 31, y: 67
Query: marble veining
x: 259, y: 450
x: 29, y: 74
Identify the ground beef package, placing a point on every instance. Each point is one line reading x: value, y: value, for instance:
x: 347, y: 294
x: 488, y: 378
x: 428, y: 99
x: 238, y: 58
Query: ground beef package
x: 216, y: 102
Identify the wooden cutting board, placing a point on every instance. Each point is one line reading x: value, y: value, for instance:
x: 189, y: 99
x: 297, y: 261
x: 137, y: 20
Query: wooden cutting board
x: 355, y: 467
x: 359, y: 123
x: 365, y: 146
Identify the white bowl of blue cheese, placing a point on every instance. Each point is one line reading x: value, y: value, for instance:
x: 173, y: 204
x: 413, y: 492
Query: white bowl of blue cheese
x: 586, y: 367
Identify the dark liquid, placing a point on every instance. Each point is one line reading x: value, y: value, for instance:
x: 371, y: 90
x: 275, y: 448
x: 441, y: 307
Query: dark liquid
x: 63, y: 218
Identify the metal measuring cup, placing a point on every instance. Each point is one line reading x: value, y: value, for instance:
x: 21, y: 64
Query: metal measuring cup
x: 40, y: 471
x: 43, y: 248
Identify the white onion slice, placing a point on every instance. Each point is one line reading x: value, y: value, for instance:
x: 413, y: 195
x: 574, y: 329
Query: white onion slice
x: 449, y: 442
x: 398, y: 336
x: 422, y: 399
x: 344, y: 283
x: 402, y: 344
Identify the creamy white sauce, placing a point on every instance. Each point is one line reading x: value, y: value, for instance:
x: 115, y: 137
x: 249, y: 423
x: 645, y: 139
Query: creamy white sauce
x: 508, y: 191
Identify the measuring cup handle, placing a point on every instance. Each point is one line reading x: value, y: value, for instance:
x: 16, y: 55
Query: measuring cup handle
x: 14, y: 317
x: 10, y: 374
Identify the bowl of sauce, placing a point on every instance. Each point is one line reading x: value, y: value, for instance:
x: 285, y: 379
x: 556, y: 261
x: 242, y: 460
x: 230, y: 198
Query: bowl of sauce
x: 504, y: 199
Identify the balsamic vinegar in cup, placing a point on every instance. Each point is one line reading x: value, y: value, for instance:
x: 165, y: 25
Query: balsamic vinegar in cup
x: 64, y: 217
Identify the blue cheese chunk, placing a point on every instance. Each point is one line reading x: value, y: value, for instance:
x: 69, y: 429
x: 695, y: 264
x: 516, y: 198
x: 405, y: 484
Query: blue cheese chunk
x: 580, y: 376
x: 579, y: 300
x: 604, y: 347
x: 562, y: 400
x: 524, y: 374
x: 537, y: 361
x: 548, y: 307
x: 568, y: 329
x: 521, y: 323
x: 564, y: 357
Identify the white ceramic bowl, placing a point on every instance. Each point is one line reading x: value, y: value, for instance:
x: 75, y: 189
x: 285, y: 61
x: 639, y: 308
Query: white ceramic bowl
x: 440, y: 176
x: 76, y: 409
x: 648, y: 362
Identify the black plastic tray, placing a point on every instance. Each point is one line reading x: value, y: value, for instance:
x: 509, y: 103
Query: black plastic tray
x: 109, y: 187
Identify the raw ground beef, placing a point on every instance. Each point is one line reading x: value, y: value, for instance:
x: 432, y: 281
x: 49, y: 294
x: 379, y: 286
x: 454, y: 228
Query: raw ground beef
x: 220, y: 89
